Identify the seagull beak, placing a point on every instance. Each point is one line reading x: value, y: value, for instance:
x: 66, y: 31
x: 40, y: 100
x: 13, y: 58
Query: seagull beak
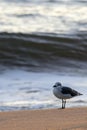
x: 54, y: 86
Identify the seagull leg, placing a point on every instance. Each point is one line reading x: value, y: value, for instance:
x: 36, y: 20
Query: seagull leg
x: 62, y: 104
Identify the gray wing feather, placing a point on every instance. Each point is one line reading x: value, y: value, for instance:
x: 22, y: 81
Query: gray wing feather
x: 72, y: 92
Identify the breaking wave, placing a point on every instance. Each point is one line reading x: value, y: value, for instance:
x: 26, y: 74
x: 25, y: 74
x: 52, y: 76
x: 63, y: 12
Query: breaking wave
x: 43, y: 50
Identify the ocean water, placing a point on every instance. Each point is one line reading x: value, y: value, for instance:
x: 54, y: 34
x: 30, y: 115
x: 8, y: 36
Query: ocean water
x: 42, y: 42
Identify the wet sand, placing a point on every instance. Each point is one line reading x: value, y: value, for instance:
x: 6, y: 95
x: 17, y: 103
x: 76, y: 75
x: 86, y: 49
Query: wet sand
x: 49, y: 119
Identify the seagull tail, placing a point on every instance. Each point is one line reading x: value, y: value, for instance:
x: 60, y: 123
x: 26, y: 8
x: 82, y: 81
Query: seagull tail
x: 79, y: 94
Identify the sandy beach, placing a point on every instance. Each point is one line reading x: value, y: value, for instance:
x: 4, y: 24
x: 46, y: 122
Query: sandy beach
x: 49, y: 119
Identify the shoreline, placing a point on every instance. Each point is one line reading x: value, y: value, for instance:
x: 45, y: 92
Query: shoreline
x: 46, y: 119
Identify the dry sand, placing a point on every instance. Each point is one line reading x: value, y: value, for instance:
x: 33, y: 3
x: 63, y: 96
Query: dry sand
x: 50, y: 119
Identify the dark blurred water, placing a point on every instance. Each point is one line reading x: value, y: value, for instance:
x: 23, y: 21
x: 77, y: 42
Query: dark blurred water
x: 44, y: 52
x: 47, y: 34
x: 41, y: 42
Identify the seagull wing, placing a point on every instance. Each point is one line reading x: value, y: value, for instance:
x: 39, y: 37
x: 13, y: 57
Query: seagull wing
x: 72, y: 92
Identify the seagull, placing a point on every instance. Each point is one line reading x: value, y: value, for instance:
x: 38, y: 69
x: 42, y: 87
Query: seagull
x: 63, y: 92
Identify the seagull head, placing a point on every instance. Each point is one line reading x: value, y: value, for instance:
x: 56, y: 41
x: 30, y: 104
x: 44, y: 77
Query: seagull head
x: 58, y: 84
